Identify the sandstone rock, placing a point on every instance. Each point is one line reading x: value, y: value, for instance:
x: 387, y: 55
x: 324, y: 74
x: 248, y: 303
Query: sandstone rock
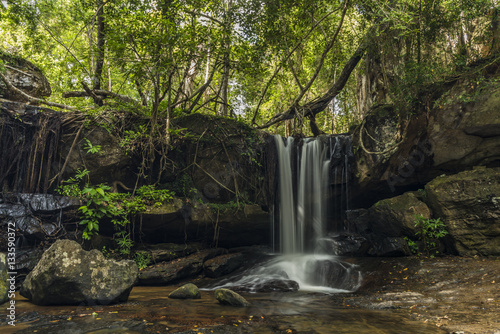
x: 223, y: 265
x: 187, y: 291
x: 228, y: 297
x: 68, y: 275
x: 451, y: 137
x: 469, y: 205
x: 169, y: 272
x: 395, y: 217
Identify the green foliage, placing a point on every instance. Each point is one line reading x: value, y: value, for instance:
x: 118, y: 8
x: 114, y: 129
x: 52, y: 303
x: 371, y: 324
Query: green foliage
x: 151, y: 195
x: 100, y: 204
x: 124, y: 242
x: 142, y: 259
x: 71, y: 187
x: 132, y: 140
x: 91, y: 149
x: 429, y: 232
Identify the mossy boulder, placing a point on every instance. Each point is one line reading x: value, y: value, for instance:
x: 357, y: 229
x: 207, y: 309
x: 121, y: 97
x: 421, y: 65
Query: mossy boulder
x: 469, y: 205
x: 187, y: 291
x: 229, y: 297
x: 68, y: 275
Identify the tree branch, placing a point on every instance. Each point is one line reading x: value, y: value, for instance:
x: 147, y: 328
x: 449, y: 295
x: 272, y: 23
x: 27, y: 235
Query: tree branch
x: 284, y: 61
x: 30, y: 98
x: 316, y: 106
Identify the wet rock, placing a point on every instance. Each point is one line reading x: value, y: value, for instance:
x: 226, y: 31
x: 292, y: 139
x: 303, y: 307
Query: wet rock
x: 223, y: 265
x: 469, y: 205
x: 228, y: 297
x: 170, y: 251
x: 343, y: 244
x: 276, y: 285
x: 25, y: 76
x: 333, y: 273
x: 187, y: 291
x: 68, y: 275
x: 170, y: 272
x: 36, y: 215
x: 390, y: 246
x: 4, y: 285
x: 45, y: 203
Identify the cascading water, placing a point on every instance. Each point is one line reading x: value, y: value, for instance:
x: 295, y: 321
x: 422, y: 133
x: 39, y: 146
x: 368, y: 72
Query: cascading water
x: 310, y: 170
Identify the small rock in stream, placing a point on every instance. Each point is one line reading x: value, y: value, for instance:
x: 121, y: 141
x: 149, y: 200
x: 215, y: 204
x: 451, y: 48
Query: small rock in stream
x: 228, y: 297
x: 187, y: 291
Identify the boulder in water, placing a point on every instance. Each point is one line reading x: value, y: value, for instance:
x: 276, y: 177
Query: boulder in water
x: 68, y: 275
x: 187, y: 291
x: 229, y: 297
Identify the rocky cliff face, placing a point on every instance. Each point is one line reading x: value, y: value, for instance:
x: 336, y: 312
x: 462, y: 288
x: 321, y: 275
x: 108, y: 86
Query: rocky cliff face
x: 459, y: 129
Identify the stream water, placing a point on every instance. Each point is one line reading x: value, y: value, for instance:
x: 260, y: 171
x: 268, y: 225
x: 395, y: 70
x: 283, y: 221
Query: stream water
x: 149, y: 310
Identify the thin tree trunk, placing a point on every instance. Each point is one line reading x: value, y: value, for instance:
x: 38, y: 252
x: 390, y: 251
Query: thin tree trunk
x: 99, y: 59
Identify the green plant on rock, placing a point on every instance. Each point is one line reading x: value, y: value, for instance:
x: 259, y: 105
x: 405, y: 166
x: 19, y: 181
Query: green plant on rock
x: 124, y: 242
x: 91, y: 149
x: 429, y: 232
x: 142, y: 259
x: 96, y: 208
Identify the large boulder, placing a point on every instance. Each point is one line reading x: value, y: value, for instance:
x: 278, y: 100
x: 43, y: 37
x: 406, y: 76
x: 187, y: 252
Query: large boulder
x: 385, y: 224
x: 469, y: 205
x: 25, y: 76
x: 395, y: 216
x: 68, y: 275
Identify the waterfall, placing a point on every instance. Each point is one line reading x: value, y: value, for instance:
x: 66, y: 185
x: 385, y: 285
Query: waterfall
x: 310, y: 172
x: 311, y: 200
